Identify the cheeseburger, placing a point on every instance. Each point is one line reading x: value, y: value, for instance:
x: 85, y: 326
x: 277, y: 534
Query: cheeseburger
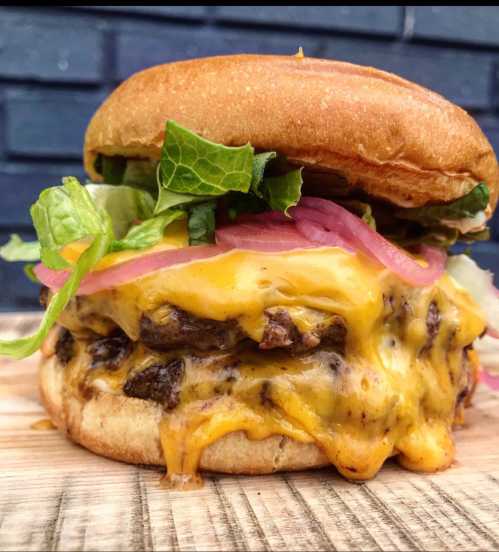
x: 256, y: 275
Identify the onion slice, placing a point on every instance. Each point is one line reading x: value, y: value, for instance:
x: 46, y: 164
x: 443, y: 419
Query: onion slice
x: 128, y: 270
x: 360, y: 236
x: 320, y: 235
x: 269, y: 237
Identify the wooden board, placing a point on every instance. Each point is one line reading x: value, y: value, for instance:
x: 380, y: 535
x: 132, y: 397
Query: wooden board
x: 57, y: 496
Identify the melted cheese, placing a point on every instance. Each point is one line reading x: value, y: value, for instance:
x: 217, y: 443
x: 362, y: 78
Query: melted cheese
x: 392, y: 398
x: 42, y: 425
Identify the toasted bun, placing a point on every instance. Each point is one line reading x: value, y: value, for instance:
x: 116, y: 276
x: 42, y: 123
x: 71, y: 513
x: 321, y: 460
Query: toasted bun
x: 395, y: 139
x: 102, y: 424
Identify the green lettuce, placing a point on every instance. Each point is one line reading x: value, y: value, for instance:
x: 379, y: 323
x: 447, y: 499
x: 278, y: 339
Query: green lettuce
x: 29, y: 271
x: 62, y: 215
x: 124, y: 204
x: 464, y: 207
x: 260, y: 162
x: 238, y: 204
x: 16, y: 249
x: 25, y: 346
x: 481, y: 235
x: 279, y: 192
x: 201, y: 223
x: 56, y: 215
x: 116, y: 170
x: 146, y: 234
x: 190, y: 164
x: 141, y: 173
x: 408, y: 234
x: 193, y: 170
x: 283, y: 192
x: 65, y: 214
x: 168, y: 200
x: 112, y: 168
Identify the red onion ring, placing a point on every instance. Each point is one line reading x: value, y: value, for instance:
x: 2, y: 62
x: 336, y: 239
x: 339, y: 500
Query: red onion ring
x: 361, y: 236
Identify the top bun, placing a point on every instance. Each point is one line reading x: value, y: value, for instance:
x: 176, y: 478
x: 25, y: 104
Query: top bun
x: 393, y: 138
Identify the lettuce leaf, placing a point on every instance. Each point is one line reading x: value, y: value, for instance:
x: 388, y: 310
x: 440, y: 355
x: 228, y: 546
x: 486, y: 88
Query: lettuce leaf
x: 168, y: 199
x: 124, y: 204
x: 146, y: 234
x: 481, y: 235
x: 193, y: 170
x: 30, y: 272
x: 62, y: 215
x: 201, y: 223
x: 464, y: 207
x: 190, y: 164
x: 116, y: 170
x: 23, y: 347
x: 16, y: 249
x: 238, y: 203
x: 283, y: 192
x: 112, y: 168
x: 260, y: 162
x: 140, y: 173
x: 279, y: 192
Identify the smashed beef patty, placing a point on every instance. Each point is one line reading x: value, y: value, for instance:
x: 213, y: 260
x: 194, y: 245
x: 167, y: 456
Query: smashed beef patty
x: 169, y: 327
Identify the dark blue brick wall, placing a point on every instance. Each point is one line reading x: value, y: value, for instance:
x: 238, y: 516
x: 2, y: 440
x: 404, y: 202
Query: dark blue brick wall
x: 462, y: 76
x: 472, y: 25
x: 188, y: 12
x: 49, y: 53
x: 189, y: 43
x: 47, y: 123
x: 57, y: 64
x: 370, y: 19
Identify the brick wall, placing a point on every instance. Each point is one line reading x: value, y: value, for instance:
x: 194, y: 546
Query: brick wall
x: 57, y: 64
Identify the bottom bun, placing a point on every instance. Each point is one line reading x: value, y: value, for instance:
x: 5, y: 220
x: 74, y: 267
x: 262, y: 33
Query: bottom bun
x: 127, y: 429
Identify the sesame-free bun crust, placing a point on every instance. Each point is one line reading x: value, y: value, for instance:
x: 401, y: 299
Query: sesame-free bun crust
x: 393, y: 138
x: 127, y: 429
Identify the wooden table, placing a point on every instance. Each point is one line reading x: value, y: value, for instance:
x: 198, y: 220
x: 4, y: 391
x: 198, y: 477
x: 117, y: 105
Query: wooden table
x: 57, y: 496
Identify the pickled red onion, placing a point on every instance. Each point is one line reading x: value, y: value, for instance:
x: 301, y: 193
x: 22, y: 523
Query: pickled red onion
x: 320, y: 235
x: 270, y: 236
x: 362, y: 237
x: 128, y: 270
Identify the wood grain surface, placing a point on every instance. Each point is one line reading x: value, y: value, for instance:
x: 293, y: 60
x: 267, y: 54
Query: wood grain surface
x: 55, y: 495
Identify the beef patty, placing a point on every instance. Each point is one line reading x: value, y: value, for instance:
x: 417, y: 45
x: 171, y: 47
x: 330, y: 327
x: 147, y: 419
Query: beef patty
x: 169, y: 327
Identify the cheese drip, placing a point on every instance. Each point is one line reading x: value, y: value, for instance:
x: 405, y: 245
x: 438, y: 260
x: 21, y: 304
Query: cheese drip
x: 358, y: 411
